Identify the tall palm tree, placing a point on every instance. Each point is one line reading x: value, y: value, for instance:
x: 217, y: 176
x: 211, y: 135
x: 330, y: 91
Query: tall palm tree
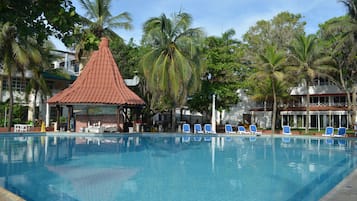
x: 15, y: 56
x: 270, y: 69
x: 99, y: 22
x: 309, y: 63
x: 172, y: 66
x: 37, y: 83
x: 349, y: 28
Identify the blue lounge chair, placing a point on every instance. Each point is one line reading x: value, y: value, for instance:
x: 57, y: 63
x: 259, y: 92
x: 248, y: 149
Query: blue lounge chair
x: 253, y: 130
x: 197, y: 128
x: 208, y: 128
x: 186, y: 128
x: 328, y: 131
x: 241, y: 130
x: 286, y: 130
x: 341, y: 132
x: 229, y: 129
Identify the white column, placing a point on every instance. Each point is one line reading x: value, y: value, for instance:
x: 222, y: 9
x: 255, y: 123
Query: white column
x: 213, y: 119
x: 47, y: 115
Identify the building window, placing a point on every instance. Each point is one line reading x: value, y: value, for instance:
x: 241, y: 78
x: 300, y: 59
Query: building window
x: 75, y: 66
x: 18, y: 84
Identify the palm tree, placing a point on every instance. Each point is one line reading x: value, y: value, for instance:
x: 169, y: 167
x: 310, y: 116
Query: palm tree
x: 270, y: 69
x: 348, y: 42
x: 37, y: 83
x: 15, y: 56
x: 99, y: 22
x: 172, y: 65
x: 309, y: 63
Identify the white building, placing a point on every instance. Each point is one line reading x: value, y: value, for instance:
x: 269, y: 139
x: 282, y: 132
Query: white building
x: 328, y: 107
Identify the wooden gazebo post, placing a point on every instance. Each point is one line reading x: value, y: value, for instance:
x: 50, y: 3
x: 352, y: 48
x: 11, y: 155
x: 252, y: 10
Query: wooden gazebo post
x: 120, y: 118
x: 58, y: 114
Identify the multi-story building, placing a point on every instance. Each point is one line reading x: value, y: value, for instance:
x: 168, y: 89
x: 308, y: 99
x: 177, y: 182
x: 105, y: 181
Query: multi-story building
x: 55, y: 82
x: 328, y: 107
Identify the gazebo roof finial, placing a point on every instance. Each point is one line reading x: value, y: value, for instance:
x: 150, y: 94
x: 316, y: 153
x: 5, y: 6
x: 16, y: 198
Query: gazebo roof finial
x: 104, y: 42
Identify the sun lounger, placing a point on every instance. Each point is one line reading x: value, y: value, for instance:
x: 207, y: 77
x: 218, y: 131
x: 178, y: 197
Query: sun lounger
x: 197, y: 128
x: 186, y: 128
x: 253, y: 130
x: 341, y: 132
x: 208, y: 128
x: 241, y: 130
x: 328, y: 131
x: 229, y: 129
x: 286, y: 130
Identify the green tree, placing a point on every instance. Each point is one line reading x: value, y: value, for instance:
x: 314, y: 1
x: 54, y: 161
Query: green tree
x: 15, y: 56
x: 40, y: 19
x: 172, y: 65
x: 279, y: 31
x: 223, y: 74
x: 37, y: 84
x: 269, y: 69
x: 309, y: 63
x: 98, y: 22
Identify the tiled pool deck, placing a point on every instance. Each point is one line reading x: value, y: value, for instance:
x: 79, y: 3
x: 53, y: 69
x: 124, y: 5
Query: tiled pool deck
x: 346, y: 190
x: 8, y: 196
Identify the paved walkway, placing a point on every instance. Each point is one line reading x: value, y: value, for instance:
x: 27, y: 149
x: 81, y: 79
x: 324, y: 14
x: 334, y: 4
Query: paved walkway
x: 346, y: 190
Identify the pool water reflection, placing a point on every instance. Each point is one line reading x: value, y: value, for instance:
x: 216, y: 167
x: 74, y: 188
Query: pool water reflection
x: 173, y: 167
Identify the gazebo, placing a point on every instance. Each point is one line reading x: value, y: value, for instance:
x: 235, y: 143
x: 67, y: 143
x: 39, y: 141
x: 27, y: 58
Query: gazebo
x: 99, y: 95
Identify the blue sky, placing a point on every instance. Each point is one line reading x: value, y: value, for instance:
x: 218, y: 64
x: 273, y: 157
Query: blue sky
x: 217, y: 16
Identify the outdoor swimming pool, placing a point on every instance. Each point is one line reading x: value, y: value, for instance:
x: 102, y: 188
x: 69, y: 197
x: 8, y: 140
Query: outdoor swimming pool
x: 153, y: 167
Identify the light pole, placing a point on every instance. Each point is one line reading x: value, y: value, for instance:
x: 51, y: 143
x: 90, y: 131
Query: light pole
x: 213, y: 118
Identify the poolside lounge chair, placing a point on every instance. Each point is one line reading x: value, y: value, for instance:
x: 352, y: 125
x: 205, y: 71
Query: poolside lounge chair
x: 229, y: 129
x: 208, y: 128
x: 341, y: 132
x: 253, y: 130
x: 186, y: 128
x: 241, y: 130
x: 328, y: 131
x: 197, y: 128
x: 286, y: 130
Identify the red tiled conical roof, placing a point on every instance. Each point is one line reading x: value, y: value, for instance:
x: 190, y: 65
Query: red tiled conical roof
x: 99, y: 83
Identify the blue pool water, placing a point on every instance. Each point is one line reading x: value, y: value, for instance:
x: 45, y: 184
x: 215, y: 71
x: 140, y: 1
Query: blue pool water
x: 173, y: 167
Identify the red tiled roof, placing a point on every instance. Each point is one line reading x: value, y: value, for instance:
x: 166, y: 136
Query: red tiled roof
x: 99, y: 83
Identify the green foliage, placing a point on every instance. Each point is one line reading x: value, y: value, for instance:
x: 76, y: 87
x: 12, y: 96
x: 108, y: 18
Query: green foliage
x: 127, y: 56
x: 279, y: 32
x: 223, y: 75
x: 172, y: 64
x: 40, y: 19
x: 19, y: 114
x: 97, y: 22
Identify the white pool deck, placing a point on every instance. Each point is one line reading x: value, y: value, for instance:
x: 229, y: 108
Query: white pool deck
x: 346, y: 190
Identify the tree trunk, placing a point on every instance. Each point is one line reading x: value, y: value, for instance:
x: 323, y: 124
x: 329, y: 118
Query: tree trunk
x: 11, y: 95
x: 173, y: 119
x: 348, y: 96
x: 34, y: 107
x: 274, y: 109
